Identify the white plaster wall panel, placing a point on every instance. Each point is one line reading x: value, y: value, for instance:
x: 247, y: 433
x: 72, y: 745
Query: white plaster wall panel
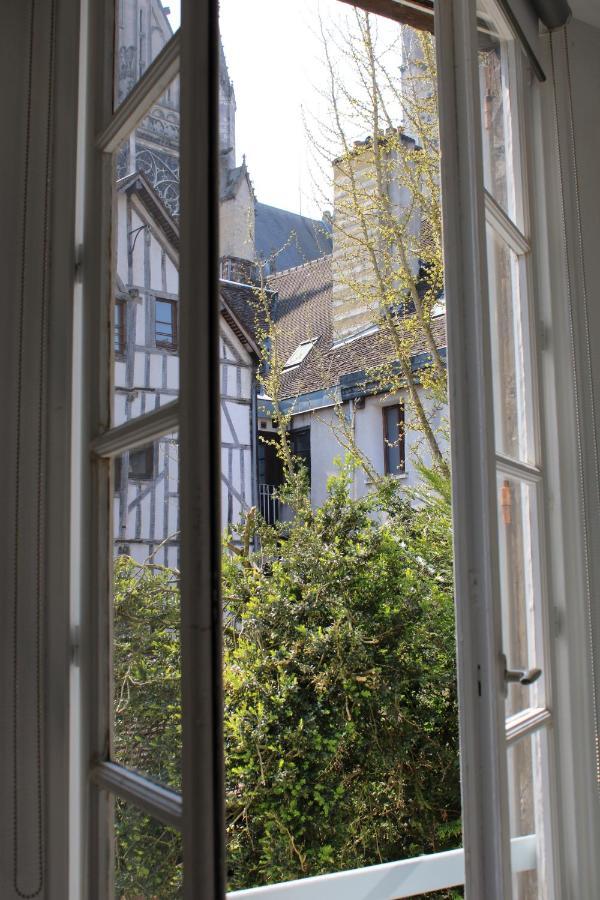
x: 119, y: 407
x: 138, y: 252
x: 139, y: 552
x: 173, y: 372
x: 247, y: 456
x: 141, y: 311
x: 156, y: 370
x: 240, y: 418
x: 226, y: 432
x: 116, y: 523
x: 145, y: 510
x: 155, y: 261
x: 247, y: 377
x: 120, y: 373
x: 173, y: 523
x: 223, y: 495
x: 324, y: 448
x: 122, y: 238
x: 172, y: 277
x: 139, y: 367
x: 135, y: 406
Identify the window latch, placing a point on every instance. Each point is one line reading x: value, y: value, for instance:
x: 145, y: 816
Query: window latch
x: 520, y: 676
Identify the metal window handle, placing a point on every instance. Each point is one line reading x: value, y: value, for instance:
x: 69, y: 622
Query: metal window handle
x: 520, y: 676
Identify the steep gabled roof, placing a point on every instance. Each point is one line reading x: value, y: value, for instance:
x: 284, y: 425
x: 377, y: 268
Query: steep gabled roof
x: 291, y: 238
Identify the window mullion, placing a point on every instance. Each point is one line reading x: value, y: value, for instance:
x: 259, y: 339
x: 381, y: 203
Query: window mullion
x: 148, y: 89
x: 504, y: 227
x: 517, y: 469
x: 525, y: 723
x: 158, y: 801
x: 138, y: 432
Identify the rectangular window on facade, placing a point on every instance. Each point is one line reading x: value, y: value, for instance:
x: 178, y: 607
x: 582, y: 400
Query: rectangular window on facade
x: 393, y: 439
x: 165, y: 324
x: 300, y: 446
x: 141, y: 464
x: 120, y: 327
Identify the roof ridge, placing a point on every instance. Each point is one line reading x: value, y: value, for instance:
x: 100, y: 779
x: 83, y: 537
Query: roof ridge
x: 304, y: 265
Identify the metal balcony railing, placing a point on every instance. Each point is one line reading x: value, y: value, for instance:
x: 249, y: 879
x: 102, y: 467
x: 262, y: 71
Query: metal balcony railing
x: 268, y: 503
x: 389, y: 881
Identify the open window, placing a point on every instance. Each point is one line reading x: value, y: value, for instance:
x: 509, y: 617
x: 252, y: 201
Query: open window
x: 159, y: 176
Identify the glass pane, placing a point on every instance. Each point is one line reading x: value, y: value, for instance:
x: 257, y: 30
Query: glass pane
x: 146, y: 616
x: 518, y: 530
x: 148, y: 857
x: 340, y: 719
x: 511, y: 370
x: 146, y: 311
x: 142, y: 29
x: 496, y: 98
x: 527, y: 780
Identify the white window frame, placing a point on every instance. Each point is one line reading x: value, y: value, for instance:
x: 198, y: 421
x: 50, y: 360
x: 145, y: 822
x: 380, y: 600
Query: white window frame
x: 200, y: 813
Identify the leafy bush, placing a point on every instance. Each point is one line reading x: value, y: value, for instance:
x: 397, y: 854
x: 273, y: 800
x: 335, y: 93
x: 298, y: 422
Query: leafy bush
x: 340, y: 702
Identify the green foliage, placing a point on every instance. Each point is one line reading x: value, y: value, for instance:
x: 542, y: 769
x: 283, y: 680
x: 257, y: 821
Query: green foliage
x: 340, y: 702
x: 147, y: 715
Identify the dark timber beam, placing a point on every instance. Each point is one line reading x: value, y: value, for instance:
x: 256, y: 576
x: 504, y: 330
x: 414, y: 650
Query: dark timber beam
x: 416, y: 13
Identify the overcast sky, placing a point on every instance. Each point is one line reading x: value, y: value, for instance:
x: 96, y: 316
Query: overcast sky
x: 275, y: 59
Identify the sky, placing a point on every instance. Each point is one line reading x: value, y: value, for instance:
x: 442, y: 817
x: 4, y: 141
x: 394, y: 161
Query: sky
x: 275, y: 56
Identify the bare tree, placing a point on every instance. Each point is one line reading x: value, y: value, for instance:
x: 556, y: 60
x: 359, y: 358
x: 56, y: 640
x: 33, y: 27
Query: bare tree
x: 387, y: 257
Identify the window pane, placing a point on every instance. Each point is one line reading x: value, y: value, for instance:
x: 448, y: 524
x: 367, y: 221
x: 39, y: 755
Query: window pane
x: 518, y: 530
x: 393, y: 417
x: 527, y: 780
x: 148, y: 857
x: 511, y: 370
x: 146, y: 616
x: 142, y: 29
x: 146, y: 363
x: 496, y: 99
x: 341, y: 746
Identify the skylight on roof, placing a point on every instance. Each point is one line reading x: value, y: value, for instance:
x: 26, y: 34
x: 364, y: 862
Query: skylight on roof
x: 300, y: 354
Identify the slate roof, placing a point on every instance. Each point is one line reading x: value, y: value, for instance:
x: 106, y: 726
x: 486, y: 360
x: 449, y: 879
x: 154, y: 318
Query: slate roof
x: 301, y: 238
x: 240, y: 302
x: 303, y: 311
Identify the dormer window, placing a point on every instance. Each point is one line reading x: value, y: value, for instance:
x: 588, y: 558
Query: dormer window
x: 299, y: 354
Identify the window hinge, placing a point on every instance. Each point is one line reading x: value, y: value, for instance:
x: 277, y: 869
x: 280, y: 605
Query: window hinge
x: 78, y: 263
x: 75, y: 637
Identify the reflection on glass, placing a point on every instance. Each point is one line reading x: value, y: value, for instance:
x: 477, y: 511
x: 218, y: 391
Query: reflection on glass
x: 519, y: 577
x: 525, y: 784
x: 142, y: 28
x: 496, y: 126
x: 146, y: 303
x: 510, y: 359
x: 148, y: 857
x: 146, y: 618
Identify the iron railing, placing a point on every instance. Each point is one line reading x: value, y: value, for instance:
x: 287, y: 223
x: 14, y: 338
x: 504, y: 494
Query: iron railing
x: 268, y: 503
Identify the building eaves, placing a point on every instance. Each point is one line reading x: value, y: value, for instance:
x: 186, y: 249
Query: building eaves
x: 137, y: 184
